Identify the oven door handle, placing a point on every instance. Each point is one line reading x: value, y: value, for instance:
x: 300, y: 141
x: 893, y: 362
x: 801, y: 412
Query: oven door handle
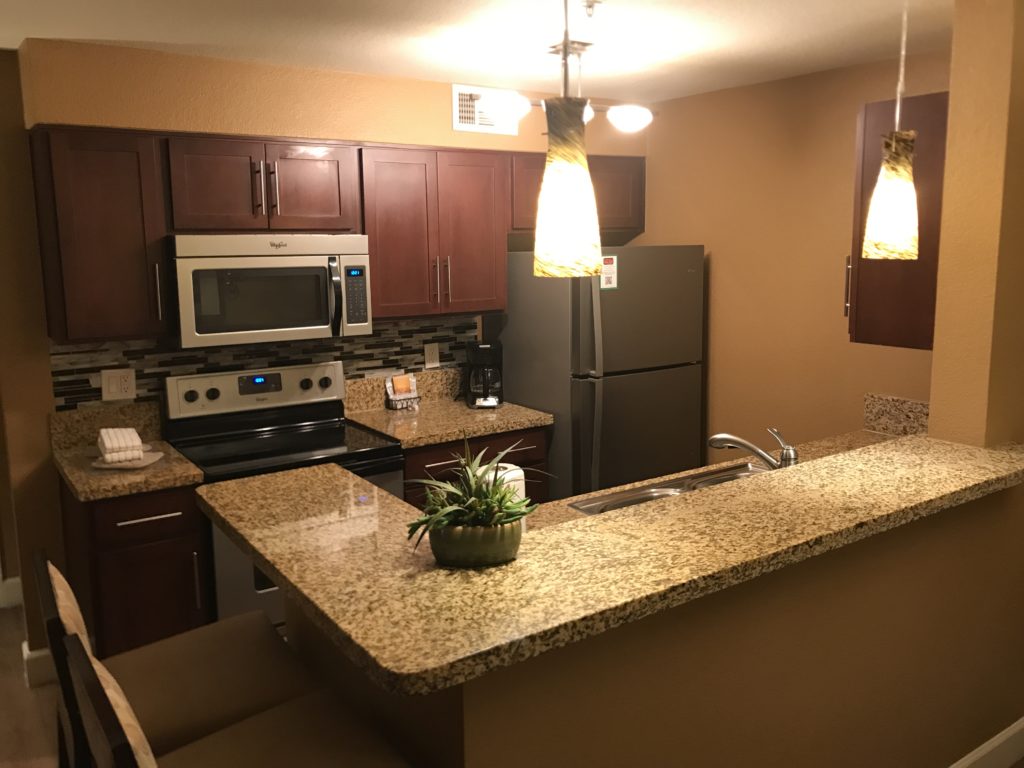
x: 335, y: 272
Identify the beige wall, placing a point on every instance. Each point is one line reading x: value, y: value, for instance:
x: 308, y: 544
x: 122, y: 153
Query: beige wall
x: 763, y: 176
x: 979, y: 346
x: 24, y: 349
x: 88, y: 84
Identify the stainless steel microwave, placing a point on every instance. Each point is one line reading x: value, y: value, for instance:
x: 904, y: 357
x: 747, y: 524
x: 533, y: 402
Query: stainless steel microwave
x: 246, y: 289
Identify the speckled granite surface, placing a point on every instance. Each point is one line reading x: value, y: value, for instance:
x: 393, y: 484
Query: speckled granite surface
x: 435, y: 384
x: 90, y: 484
x: 337, y: 545
x: 81, y: 426
x: 441, y: 421
x: 895, y: 415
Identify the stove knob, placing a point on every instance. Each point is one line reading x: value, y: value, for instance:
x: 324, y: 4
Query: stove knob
x: 325, y: 382
x: 306, y: 383
x: 191, y: 396
x: 212, y: 393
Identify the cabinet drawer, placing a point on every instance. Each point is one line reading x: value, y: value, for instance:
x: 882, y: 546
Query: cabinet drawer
x: 145, y: 517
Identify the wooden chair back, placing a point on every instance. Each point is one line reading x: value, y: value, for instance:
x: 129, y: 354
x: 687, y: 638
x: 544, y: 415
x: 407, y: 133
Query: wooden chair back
x: 108, y: 743
x: 73, y: 748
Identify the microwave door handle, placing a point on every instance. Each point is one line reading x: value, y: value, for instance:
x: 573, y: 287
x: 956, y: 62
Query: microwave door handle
x: 335, y: 272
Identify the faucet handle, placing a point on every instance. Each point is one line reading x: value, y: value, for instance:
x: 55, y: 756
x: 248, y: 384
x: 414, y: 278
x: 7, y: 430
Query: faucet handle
x: 789, y: 456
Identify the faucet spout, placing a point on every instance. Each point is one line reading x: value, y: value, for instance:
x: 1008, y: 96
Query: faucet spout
x: 787, y: 458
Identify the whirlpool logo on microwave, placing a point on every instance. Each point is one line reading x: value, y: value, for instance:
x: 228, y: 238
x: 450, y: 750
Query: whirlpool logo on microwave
x: 278, y: 244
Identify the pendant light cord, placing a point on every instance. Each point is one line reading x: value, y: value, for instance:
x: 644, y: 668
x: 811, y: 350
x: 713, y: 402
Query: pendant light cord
x: 901, y: 83
x: 565, y: 51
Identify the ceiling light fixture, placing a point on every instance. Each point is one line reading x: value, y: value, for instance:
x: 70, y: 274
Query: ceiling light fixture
x: 891, y: 231
x: 567, y: 242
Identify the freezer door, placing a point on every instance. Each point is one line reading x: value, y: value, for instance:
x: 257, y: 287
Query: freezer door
x: 653, y: 317
x: 637, y: 426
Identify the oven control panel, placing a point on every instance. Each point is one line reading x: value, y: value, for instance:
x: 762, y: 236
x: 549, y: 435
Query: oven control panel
x: 208, y: 394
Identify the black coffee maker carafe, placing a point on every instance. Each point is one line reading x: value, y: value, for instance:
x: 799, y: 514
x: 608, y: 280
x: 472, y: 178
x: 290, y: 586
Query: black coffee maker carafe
x: 483, y: 374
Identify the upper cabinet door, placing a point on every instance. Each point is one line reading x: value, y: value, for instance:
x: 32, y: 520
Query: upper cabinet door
x: 473, y: 191
x: 619, y: 189
x: 400, y: 198
x: 108, y: 253
x: 218, y: 184
x: 893, y: 302
x: 314, y: 187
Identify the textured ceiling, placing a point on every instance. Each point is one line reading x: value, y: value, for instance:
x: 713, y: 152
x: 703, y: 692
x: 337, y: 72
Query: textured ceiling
x: 643, y: 50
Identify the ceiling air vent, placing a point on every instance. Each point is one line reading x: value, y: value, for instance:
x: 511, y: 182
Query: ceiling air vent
x: 486, y: 110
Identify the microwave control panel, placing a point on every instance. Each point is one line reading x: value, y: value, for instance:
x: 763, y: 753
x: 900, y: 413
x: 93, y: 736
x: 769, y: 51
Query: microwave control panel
x: 357, y: 308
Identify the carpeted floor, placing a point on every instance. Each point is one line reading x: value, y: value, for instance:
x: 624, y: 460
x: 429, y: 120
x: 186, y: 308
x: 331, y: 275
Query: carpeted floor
x: 27, y: 715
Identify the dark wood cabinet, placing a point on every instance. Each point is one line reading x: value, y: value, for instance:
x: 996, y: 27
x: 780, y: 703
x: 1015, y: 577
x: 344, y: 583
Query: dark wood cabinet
x: 227, y: 184
x: 400, y: 203
x: 619, y: 189
x: 314, y: 187
x: 141, y: 566
x: 893, y: 302
x: 529, y: 450
x: 218, y: 184
x: 437, y: 223
x: 473, y: 211
x: 101, y: 204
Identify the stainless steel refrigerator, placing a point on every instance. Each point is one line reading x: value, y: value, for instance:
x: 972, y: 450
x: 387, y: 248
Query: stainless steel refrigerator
x: 618, y: 359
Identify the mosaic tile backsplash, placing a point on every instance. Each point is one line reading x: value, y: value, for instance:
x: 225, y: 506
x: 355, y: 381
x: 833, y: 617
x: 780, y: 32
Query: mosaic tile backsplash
x: 395, y: 345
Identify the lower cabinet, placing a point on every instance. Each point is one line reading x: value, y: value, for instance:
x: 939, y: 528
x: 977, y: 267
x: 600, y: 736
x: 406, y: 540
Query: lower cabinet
x: 528, y: 449
x: 141, y: 566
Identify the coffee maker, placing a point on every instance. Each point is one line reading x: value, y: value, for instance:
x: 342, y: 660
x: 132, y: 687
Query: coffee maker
x: 483, y: 374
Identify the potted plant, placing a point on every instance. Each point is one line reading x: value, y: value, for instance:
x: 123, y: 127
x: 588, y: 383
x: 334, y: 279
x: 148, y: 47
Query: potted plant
x: 475, y: 518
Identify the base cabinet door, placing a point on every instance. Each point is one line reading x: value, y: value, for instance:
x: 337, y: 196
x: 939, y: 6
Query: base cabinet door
x: 218, y: 184
x: 314, y: 187
x: 472, y: 194
x: 100, y: 206
x: 141, y: 566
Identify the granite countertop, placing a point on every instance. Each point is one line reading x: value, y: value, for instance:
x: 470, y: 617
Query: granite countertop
x: 90, y: 484
x: 337, y: 545
x: 441, y: 421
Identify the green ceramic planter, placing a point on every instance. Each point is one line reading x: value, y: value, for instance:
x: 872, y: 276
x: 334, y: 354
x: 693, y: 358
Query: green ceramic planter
x: 475, y: 546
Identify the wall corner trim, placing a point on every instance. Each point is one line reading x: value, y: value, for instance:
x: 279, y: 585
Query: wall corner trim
x: 39, y: 669
x: 1003, y: 750
x: 10, y: 592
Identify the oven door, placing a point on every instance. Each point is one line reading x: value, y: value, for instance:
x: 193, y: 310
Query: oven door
x: 253, y: 299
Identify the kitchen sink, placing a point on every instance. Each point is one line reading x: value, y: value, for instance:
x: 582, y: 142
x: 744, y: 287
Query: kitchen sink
x: 633, y: 496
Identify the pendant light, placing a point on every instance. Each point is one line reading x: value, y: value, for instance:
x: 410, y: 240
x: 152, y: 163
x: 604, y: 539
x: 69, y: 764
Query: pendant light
x: 568, y: 240
x: 891, y: 231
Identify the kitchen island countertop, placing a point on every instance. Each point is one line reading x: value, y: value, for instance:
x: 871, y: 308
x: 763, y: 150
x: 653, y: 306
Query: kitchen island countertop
x: 337, y: 546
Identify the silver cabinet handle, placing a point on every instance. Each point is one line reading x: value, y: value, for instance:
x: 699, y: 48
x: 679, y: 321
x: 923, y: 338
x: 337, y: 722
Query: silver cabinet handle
x: 437, y: 275
x: 259, y: 170
x: 150, y: 519
x: 849, y: 282
x: 159, y: 300
x: 195, y: 579
x: 277, y: 188
x: 448, y: 270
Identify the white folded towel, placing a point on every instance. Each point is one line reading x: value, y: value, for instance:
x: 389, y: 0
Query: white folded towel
x: 119, y: 444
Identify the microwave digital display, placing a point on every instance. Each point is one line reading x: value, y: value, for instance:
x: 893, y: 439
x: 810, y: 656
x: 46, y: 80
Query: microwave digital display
x: 354, y: 271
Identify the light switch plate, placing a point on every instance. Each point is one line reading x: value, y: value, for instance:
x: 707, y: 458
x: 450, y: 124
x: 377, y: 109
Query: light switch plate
x: 118, y: 383
x: 431, y: 355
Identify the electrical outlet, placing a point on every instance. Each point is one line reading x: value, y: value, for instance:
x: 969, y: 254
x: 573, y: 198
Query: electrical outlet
x: 431, y: 355
x: 118, y: 383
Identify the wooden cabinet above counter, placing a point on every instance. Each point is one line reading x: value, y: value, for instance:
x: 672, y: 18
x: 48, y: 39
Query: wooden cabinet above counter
x: 440, y: 221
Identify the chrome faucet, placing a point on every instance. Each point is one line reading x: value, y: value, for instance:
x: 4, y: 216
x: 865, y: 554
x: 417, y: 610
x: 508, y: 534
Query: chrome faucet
x: 787, y: 458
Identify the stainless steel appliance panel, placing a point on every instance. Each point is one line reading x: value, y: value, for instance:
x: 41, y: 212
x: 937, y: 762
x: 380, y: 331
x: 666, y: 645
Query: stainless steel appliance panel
x: 636, y: 426
x: 652, y: 319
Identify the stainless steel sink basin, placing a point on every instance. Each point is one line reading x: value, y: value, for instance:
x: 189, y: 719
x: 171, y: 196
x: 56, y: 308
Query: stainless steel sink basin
x: 629, y: 498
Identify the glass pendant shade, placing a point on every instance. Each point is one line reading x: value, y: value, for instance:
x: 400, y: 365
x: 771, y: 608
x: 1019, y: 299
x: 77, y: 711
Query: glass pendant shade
x: 629, y: 118
x: 568, y: 241
x: 891, y: 231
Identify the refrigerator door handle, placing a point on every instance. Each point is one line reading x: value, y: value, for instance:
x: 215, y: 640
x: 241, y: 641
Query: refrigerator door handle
x: 595, y: 448
x: 595, y: 303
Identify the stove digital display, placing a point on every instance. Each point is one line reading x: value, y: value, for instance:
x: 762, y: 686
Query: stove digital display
x: 259, y: 383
